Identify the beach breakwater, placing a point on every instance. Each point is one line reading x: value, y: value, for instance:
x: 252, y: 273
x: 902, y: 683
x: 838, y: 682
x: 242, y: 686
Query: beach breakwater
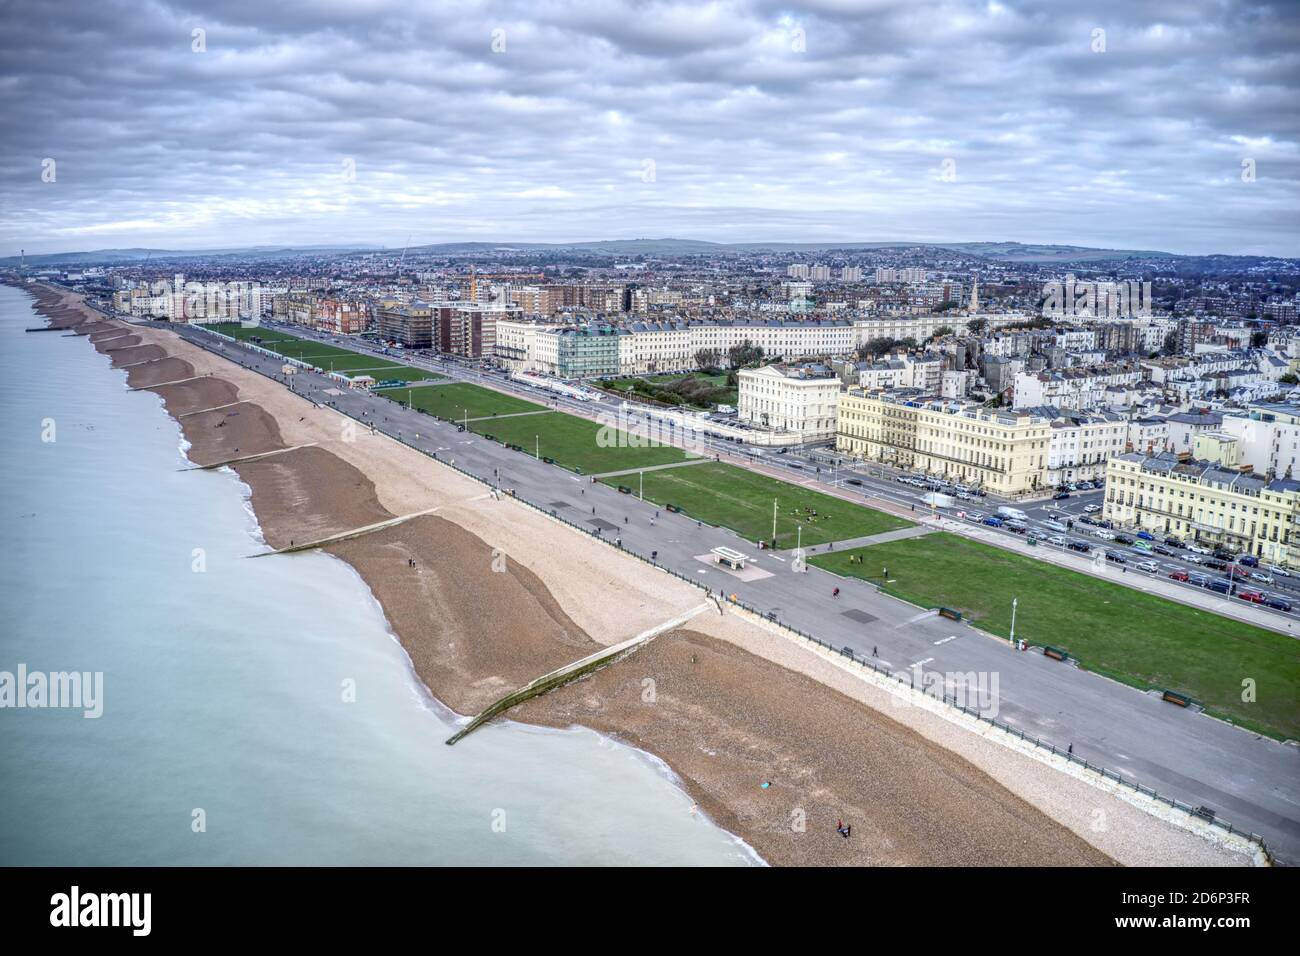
x: 496, y: 632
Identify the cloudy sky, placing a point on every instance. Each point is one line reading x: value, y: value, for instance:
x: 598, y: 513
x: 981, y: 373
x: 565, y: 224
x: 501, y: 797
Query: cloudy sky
x: 217, y: 124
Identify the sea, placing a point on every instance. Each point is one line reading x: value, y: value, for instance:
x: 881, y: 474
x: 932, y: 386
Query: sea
x: 252, y: 712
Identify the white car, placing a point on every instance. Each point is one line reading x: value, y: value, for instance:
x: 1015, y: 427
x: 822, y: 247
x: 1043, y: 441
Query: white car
x: 1197, y: 549
x: 1057, y: 540
x: 1092, y: 509
x: 1054, y: 525
x: 1104, y: 534
x: 1149, y: 566
x: 1192, y: 558
x: 1262, y: 577
x: 974, y: 516
x: 1274, y: 569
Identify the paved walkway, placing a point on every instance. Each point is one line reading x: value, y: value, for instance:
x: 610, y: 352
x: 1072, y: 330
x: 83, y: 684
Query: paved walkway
x: 898, y: 534
x: 637, y: 471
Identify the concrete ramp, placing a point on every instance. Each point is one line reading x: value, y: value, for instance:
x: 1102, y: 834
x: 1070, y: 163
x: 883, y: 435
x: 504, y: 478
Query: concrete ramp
x: 345, y: 535
x: 241, y: 458
x: 572, y: 672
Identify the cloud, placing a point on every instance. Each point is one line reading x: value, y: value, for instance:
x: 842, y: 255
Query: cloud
x: 538, y: 120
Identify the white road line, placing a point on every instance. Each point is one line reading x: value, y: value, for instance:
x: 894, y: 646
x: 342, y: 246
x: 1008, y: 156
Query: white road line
x: 921, y: 663
x: 950, y: 637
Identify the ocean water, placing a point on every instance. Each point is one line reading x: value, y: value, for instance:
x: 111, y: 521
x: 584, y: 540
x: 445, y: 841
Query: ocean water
x: 225, y: 736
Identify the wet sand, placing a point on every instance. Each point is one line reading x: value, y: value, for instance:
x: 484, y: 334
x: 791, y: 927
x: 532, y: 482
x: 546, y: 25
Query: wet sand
x: 196, y: 395
x: 159, y: 372
x: 728, y: 721
x: 227, y: 433
x: 134, y: 355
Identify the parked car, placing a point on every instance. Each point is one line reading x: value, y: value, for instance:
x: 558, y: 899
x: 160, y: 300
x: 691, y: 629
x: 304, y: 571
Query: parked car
x: 1060, y: 496
x: 1216, y: 565
x: 1080, y: 546
x: 974, y: 516
x: 1057, y: 540
x: 1261, y: 577
x: 1116, y: 557
x: 1218, y: 584
x: 1278, y: 604
x: 853, y: 481
x: 1173, y: 542
x: 1091, y: 509
x: 1197, y: 549
x: 1279, y: 571
x: 1192, y: 558
x: 1200, y: 580
x: 1146, y: 536
x: 1180, y: 575
x: 1249, y: 560
x: 1016, y: 527
x: 1104, y: 534
x: 1149, y: 566
x: 1239, y: 572
x: 993, y: 521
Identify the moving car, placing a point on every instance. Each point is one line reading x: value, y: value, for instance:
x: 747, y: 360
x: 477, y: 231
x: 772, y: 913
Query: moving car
x: 1116, y: 557
x: 1163, y: 551
x: 1254, y: 597
x: 1054, y: 525
x: 1060, y: 495
x: 1104, y: 534
x: 1148, y: 566
x: 1173, y: 542
x: 1261, y: 577
x: 1146, y: 536
x: 1180, y: 575
x: 1123, y: 539
x: 1278, y: 604
x: 1081, y: 546
x: 993, y: 521
x: 974, y: 516
x: 1276, y: 569
x: 1056, y: 539
x: 1091, y: 509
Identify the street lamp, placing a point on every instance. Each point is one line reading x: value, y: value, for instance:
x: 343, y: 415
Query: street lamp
x: 1014, y: 602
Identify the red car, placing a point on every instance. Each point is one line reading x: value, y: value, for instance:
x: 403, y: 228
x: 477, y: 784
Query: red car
x: 1254, y: 597
x: 1178, y: 575
x: 1239, y: 572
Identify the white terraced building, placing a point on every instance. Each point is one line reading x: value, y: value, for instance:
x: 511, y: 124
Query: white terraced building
x: 646, y: 348
x: 798, y: 399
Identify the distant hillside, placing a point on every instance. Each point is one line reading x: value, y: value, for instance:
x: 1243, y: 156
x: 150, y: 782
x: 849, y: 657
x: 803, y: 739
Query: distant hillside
x: 1029, y: 253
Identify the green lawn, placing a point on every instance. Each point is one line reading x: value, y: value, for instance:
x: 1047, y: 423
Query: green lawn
x: 742, y: 500
x: 577, y: 443
x: 460, y: 399
x: 1137, y: 638
x: 327, y: 357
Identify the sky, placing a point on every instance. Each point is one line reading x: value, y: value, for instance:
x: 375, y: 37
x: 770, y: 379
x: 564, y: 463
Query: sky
x: 1169, y: 125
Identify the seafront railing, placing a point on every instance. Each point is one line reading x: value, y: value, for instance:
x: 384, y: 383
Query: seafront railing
x: 1198, y: 813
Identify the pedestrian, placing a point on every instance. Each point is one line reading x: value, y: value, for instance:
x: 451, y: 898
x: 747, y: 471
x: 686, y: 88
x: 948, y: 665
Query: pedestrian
x: 875, y: 651
x: 593, y: 509
x: 835, y: 592
x: 1070, y: 750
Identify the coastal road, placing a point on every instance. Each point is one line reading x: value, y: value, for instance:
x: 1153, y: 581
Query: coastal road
x: 1245, y: 778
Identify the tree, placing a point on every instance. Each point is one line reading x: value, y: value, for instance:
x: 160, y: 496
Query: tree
x: 1171, y: 343
x: 941, y: 331
x: 708, y: 358
x: 1289, y: 379
x: 875, y: 347
x: 977, y: 326
x: 1258, y: 340
x: 746, y: 353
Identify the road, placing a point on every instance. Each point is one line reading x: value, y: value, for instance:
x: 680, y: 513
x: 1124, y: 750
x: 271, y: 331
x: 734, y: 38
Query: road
x: 1245, y: 778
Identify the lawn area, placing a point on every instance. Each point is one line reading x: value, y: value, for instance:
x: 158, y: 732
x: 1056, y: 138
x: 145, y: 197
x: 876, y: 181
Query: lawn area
x: 576, y: 443
x: 742, y: 500
x: 460, y: 399
x: 1137, y: 638
x: 694, y: 389
x: 327, y: 357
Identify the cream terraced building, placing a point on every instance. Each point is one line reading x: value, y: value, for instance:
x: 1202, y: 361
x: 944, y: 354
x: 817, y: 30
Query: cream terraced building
x: 1204, y: 502
x: 797, y: 399
x: 999, y: 450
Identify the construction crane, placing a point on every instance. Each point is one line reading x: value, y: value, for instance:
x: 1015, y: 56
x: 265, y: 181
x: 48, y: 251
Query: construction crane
x: 475, y: 275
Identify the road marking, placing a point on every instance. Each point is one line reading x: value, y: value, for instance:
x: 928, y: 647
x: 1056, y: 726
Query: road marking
x: 921, y: 663
x: 950, y: 637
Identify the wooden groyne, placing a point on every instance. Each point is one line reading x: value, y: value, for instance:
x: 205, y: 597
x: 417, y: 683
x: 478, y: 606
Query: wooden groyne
x: 571, y: 672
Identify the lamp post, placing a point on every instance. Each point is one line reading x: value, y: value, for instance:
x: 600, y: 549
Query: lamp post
x: 1014, y: 602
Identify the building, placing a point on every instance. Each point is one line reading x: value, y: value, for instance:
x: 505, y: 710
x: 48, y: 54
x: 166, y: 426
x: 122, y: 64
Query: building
x: 1081, y: 445
x: 791, y: 398
x: 1002, y: 451
x: 1268, y: 437
x: 1205, y: 502
x: 409, y: 325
